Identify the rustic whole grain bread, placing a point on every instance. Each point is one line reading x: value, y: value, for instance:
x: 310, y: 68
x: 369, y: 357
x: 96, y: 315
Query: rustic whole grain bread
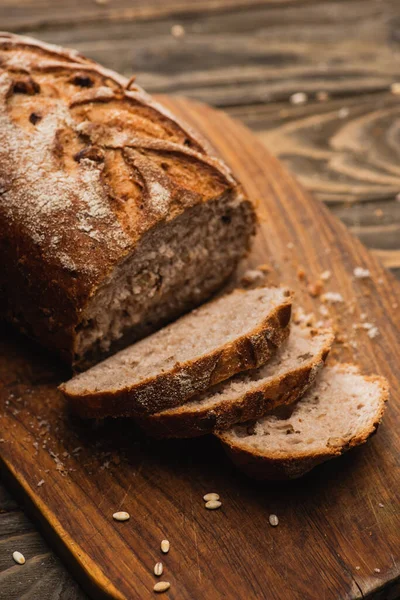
x: 115, y: 217
x: 249, y: 395
x: 342, y: 410
x: 234, y: 333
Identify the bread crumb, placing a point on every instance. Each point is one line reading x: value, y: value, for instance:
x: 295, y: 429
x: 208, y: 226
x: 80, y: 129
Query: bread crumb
x: 373, y: 332
x: 324, y: 311
x: 358, y: 568
x: 301, y: 274
x: 252, y: 276
x: 300, y: 317
x: 343, y: 113
x: 377, y: 570
x: 40, y: 483
x: 381, y: 505
x: 378, y: 212
x: 298, y: 98
x: 332, y: 297
x: 290, y: 245
x: 325, y: 276
x: 361, y: 273
x: 371, y: 329
x: 315, y: 289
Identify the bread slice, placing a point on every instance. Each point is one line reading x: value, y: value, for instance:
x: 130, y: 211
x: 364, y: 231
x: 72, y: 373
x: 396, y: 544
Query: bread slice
x: 249, y: 395
x: 341, y: 411
x: 233, y: 333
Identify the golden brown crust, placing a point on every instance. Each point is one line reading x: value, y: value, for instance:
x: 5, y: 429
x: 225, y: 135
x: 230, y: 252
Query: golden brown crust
x: 284, y: 389
x: 263, y: 466
x: 87, y: 167
x: 173, y: 387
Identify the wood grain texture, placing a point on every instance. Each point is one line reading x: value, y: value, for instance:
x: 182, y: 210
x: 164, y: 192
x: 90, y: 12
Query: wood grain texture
x: 264, y: 53
x: 330, y: 522
x: 43, y: 576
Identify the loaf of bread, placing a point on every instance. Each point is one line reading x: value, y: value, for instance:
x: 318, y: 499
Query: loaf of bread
x: 114, y: 217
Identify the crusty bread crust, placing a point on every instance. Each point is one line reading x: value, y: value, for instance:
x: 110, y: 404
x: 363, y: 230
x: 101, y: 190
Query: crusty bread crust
x: 89, y: 163
x: 264, y: 466
x: 286, y: 388
x: 173, y: 387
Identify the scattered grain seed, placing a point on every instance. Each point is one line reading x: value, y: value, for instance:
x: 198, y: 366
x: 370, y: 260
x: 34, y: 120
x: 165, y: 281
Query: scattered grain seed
x: 211, y: 496
x: 162, y: 586
x: 213, y: 504
x: 395, y: 88
x: 377, y: 570
x: 165, y: 546
x: 19, y: 558
x: 158, y: 569
x: 273, y: 520
x: 177, y: 31
x: 121, y: 516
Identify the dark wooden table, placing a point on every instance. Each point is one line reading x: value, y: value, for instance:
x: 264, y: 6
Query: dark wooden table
x: 340, y: 136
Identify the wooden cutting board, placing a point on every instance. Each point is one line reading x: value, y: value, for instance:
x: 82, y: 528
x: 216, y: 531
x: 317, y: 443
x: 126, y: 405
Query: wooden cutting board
x: 339, y: 527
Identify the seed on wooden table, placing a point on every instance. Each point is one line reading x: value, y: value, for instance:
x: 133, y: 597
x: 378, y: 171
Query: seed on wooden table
x: 165, y: 546
x: 273, y: 520
x: 162, y: 586
x: 19, y: 558
x: 158, y: 569
x: 213, y: 504
x: 211, y: 496
x: 121, y: 516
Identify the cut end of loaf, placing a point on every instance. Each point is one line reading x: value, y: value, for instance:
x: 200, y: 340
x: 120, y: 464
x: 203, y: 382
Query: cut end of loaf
x: 342, y: 410
x: 166, y: 276
x: 285, y: 378
x: 233, y: 333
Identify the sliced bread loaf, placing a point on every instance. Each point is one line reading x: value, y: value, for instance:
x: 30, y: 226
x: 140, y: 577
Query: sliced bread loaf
x: 115, y: 217
x: 231, y: 334
x: 249, y: 395
x: 341, y: 411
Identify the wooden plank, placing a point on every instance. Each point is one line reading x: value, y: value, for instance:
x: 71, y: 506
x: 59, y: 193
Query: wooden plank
x: 22, y: 14
x: 239, y: 57
x: 330, y: 523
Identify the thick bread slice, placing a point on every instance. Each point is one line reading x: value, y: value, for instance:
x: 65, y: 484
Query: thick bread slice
x: 341, y: 411
x: 234, y: 333
x: 283, y: 380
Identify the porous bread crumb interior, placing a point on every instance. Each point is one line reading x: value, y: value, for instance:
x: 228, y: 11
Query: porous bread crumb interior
x: 341, y: 405
x: 300, y: 350
x: 205, y: 329
x: 174, y: 268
